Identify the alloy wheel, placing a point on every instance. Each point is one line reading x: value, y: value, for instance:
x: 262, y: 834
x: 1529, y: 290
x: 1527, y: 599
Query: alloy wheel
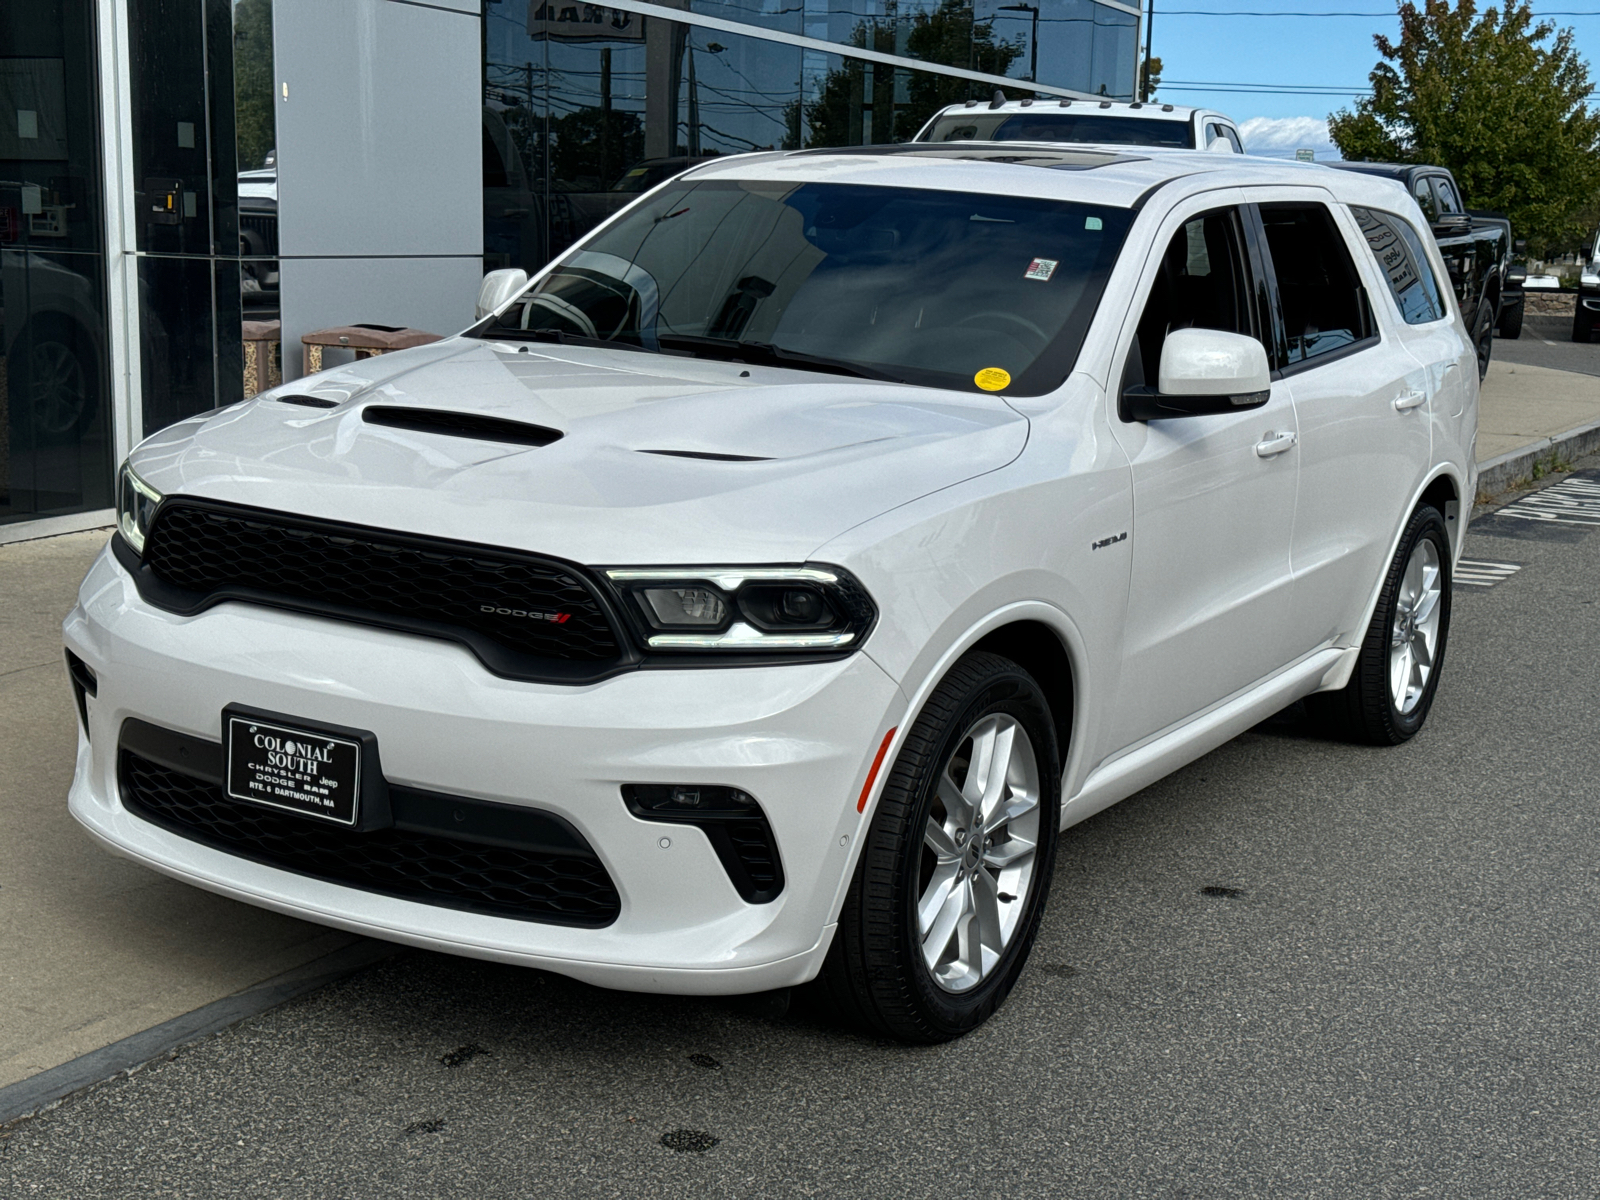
x: 58, y: 391
x: 978, y: 853
x: 1414, y: 636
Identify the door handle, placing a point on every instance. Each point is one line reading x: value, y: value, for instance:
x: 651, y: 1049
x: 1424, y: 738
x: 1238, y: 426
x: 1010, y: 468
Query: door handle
x: 1275, y: 443
x: 1411, y: 399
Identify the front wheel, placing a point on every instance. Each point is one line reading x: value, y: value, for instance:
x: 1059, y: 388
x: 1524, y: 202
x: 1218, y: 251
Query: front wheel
x: 1397, y: 673
x: 951, y: 884
x: 1511, y: 316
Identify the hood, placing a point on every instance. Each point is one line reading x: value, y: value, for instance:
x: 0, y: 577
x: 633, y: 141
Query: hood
x: 803, y: 456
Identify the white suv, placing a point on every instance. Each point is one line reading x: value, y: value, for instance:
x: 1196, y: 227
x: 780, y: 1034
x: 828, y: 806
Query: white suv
x: 1102, y: 122
x: 757, y: 593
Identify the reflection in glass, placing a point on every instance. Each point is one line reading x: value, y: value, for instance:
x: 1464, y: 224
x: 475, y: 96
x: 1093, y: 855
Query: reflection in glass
x: 55, y: 426
x: 947, y: 289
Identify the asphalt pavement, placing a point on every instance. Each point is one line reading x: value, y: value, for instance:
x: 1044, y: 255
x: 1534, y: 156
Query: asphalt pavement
x: 1547, y: 342
x: 1294, y: 968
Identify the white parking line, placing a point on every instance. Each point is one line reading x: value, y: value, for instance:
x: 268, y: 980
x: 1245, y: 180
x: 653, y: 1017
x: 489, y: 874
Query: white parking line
x: 1570, y: 502
x: 1475, y: 573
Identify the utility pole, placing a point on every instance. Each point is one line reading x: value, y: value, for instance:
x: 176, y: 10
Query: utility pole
x: 1149, y: 30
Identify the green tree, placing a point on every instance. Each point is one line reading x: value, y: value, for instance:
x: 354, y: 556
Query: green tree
x: 1499, y: 100
x: 255, y: 118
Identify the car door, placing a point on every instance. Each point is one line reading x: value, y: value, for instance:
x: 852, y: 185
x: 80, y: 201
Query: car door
x: 1213, y: 495
x: 1361, y: 404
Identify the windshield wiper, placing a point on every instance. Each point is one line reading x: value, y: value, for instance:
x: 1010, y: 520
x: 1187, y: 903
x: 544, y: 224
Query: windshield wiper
x: 766, y: 354
x: 558, y: 336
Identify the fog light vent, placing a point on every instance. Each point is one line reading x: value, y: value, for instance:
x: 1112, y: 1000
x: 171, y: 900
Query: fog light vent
x: 733, y: 822
x: 84, y: 684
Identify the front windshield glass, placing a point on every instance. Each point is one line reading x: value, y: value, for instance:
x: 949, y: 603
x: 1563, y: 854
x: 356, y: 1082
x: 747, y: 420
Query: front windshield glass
x: 945, y: 289
x: 981, y: 126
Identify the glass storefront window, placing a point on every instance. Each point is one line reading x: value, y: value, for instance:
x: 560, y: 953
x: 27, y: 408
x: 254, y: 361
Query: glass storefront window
x: 55, y: 413
x: 205, y: 174
x: 586, y: 107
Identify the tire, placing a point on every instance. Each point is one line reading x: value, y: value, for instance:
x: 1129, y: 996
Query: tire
x: 877, y: 975
x: 1369, y: 709
x: 1510, y: 326
x: 53, y: 383
x: 1483, y: 337
x: 1582, y: 323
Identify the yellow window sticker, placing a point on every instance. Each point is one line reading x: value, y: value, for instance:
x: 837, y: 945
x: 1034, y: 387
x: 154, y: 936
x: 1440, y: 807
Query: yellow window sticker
x: 992, y: 379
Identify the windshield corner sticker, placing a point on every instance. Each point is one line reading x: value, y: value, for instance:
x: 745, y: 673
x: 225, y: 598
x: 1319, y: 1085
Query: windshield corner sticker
x: 992, y: 379
x: 1109, y: 541
x: 1041, y: 269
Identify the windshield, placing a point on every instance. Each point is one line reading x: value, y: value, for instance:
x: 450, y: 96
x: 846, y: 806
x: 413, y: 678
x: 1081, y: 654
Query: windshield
x: 980, y: 126
x: 945, y: 289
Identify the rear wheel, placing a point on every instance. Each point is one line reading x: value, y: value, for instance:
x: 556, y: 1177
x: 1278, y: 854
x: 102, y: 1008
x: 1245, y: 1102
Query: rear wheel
x: 951, y: 884
x: 1397, y: 673
x: 1483, y: 337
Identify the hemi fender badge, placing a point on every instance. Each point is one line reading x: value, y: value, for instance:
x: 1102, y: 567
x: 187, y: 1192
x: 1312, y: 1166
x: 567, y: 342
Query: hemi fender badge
x: 525, y: 614
x: 1110, y: 541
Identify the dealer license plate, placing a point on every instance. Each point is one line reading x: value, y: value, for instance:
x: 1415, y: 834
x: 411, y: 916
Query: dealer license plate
x: 313, y: 774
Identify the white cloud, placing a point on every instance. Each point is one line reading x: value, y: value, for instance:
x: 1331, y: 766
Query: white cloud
x: 1284, y: 135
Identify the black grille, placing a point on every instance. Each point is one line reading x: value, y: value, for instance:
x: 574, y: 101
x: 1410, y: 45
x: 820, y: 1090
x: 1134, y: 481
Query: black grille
x: 265, y: 231
x: 515, y: 611
x: 571, y: 889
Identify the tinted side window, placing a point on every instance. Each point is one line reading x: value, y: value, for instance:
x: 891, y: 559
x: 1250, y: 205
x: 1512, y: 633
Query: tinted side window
x: 1423, y: 195
x: 1203, y: 283
x: 1400, y: 257
x: 1233, y: 140
x: 1319, y: 292
x: 1449, y: 202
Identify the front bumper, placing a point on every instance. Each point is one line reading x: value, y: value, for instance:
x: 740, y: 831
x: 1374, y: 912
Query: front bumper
x: 799, y: 738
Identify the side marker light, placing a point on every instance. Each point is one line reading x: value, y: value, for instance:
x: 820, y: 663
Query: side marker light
x: 872, y: 775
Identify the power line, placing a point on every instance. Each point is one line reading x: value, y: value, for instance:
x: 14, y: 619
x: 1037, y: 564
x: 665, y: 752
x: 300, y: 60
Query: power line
x: 1252, y: 12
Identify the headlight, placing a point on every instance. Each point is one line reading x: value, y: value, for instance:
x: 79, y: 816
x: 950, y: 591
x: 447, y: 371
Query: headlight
x: 750, y: 610
x: 136, y: 504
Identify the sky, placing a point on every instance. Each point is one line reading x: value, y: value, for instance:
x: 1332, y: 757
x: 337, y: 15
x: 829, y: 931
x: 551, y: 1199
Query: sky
x: 1320, y: 64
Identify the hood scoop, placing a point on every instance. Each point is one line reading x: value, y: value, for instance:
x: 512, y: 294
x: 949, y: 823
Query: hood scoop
x: 459, y: 424
x: 307, y: 401
x: 710, y: 455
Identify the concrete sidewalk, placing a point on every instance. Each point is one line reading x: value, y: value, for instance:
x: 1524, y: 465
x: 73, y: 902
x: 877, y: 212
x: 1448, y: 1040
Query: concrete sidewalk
x: 94, y: 949
x: 1530, y: 418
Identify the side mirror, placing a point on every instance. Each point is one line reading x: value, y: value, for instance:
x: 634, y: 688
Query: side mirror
x: 498, y: 287
x: 1203, y: 371
x: 1453, y: 223
x: 1520, y: 245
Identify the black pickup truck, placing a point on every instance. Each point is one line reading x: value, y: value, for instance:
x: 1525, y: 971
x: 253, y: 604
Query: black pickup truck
x: 1477, y: 249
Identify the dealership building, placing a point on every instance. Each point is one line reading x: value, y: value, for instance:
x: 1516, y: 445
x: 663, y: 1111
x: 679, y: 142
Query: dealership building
x: 177, y: 176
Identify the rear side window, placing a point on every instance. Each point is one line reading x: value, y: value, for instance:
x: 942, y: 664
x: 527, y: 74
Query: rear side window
x: 1233, y: 139
x: 1403, y: 264
x: 1319, y: 292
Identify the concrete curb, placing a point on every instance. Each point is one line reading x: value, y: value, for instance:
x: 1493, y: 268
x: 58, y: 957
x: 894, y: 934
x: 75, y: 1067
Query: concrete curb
x: 27, y: 1097
x: 1517, y: 467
